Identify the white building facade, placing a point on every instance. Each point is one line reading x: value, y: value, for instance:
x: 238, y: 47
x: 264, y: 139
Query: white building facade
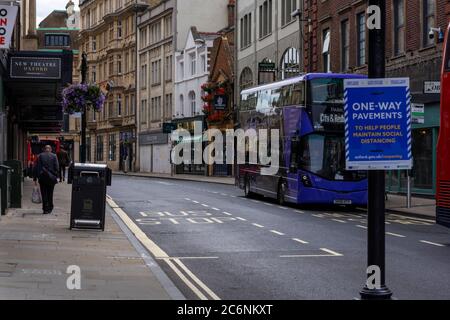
x: 162, y: 32
x: 266, y: 32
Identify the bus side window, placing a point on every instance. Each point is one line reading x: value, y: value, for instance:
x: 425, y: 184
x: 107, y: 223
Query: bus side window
x: 298, y: 94
x: 286, y: 95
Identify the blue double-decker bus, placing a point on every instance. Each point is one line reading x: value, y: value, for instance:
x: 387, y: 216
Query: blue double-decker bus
x: 308, y: 110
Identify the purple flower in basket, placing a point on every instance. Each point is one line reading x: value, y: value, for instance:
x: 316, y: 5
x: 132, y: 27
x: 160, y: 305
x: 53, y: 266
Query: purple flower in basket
x: 75, y: 96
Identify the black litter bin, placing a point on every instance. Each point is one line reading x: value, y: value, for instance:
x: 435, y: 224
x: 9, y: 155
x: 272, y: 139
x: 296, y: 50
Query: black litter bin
x: 89, y: 182
x: 16, y: 182
x: 5, y: 187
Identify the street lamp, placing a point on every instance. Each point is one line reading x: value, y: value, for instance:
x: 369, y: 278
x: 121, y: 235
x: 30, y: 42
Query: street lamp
x: 298, y: 14
x: 83, y: 113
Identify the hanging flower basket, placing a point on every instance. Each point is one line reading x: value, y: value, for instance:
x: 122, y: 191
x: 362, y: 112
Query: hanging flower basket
x: 75, y: 96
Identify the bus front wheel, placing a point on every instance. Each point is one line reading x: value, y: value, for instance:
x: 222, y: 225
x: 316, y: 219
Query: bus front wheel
x: 281, y: 194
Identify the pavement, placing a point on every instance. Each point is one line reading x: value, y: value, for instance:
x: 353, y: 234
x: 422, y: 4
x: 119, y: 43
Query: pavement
x: 36, y: 252
x: 227, y: 246
x: 420, y: 207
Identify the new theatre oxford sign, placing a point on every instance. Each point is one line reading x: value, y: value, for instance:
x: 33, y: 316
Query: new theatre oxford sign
x: 35, y: 68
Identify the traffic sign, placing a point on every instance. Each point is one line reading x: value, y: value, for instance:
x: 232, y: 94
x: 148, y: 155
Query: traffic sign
x: 377, y: 124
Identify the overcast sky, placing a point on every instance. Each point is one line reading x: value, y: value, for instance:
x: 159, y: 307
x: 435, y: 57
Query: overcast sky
x: 44, y: 7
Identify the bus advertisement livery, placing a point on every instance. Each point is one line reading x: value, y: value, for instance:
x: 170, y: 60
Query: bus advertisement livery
x: 308, y: 111
x: 443, y: 146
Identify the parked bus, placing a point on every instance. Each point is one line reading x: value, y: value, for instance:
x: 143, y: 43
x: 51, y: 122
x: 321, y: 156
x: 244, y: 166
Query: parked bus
x: 35, y: 147
x: 443, y: 146
x: 308, y: 110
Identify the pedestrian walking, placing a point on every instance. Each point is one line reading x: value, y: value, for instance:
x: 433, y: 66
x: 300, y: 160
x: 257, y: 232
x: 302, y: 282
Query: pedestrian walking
x: 64, y: 161
x: 46, y: 172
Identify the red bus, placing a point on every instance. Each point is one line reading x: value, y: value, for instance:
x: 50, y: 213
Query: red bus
x: 35, y: 147
x: 443, y: 148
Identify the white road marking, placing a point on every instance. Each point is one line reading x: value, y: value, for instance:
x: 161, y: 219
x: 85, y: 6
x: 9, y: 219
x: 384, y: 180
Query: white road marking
x: 360, y: 226
x: 233, y: 196
x: 258, y: 225
x: 337, y: 220
x: 396, y: 235
x: 158, y: 253
x: 387, y: 222
x: 195, y: 201
x: 227, y: 213
x: 223, y: 194
x: 299, y: 211
x: 143, y: 214
x: 215, y: 209
x: 432, y: 243
x: 242, y: 219
x: 284, y: 208
x: 205, y: 205
x: 187, y: 199
x: 268, y: 204
x: 190, y: 258
x: 334, y: 253
x: 318, y: 215
x: 300, y: 240
x: 256, y: 201
x: 412, y: 218
x: 277, y: 232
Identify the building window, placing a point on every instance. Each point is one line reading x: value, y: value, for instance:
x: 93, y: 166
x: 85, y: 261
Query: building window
x: 112, y: 147
x: 127, y: 106
x: 119, y: 105
x: 111, y: 31
x: 111, y: 65
x: 361, y: 38
x: 119, y: 64
x: 265, y: 18
x: 246, y: 30
x: 143, y: 36
x: 287, y: 7
x: 168, y: 26
x: 192, y: 102
x: 111, y: 112
x: 156, y: 72
x: 182, y: 104
x: 181, y: 70
x: 326, y: 50
x: 203, y: 63
x: 345, y: 45
x: 119, y: 29
x: 155, y: 110
x: 193, y: 64
x: 127, y: 60
x: 155, y: 32
x: 94, y: 74
x: 99, y: 148
x: 143, y: 76
x: 399, y: 27
x: 168, y: 107
x: 57, y: 40
x: 290, y: 63
x: 143, y: 115
x: 429, y: 11
x: 246, y: 79
x: 168, y: 66
x: 94, y: 44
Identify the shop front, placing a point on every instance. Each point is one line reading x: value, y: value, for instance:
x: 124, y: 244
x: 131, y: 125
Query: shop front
x: 425, y: 131
x: 196, y: 137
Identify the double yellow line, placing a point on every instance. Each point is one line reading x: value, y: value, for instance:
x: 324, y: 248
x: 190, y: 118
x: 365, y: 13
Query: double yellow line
x: 187, y: 276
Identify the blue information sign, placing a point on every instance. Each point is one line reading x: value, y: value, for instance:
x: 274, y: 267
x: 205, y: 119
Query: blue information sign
x: 377, y: 124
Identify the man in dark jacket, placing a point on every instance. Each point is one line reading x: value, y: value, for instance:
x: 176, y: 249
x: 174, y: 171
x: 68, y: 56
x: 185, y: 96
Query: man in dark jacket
x: 64, y: 161
x: 46, y: 171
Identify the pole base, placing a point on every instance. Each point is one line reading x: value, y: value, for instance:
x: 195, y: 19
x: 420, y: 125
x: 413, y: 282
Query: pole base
x: 376, y: 294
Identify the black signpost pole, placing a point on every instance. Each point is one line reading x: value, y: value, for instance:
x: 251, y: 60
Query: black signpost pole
x: 83, y: 113
x: 376, y: 200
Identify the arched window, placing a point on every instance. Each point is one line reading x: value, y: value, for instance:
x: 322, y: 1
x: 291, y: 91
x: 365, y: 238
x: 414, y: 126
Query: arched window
x: 181, y: 105
x: 192, y: 102
x: 246, y: 79
x: 290, y: 63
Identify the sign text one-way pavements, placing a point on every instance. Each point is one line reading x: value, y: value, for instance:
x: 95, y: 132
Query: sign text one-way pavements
x: 377, y: 124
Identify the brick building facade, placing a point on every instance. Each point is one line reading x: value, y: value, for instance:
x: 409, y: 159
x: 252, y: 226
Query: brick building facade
x: 410, y: 52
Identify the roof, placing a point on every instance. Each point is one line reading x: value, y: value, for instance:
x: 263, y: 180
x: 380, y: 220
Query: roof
x: 205, y: 36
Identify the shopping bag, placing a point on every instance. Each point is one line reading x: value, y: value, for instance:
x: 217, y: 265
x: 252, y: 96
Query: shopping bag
x: 36, y: 196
